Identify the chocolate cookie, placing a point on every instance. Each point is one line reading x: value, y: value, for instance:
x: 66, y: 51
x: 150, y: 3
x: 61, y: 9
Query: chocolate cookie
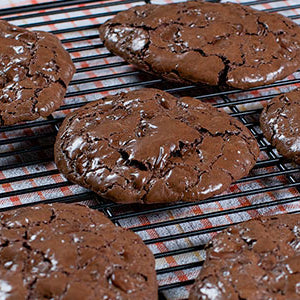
x: 35, y: 71
x: 258, y: 259
x: 66, y: 251
x: 147, y: 146
x: 280, y: 123
x: 227, y: 45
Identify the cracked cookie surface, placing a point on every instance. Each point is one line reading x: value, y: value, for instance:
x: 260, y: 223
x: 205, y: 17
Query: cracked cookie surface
x: 258, y: 259
x: 225, y: 45
x: 35, y: 71
x: 68, y: 251
x: 147, y: 146
x: 280, y: 123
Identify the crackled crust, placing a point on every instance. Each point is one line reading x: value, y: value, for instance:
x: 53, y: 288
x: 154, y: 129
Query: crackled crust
x: 280, y: 123
x: 225, y: 45
x: 147, y: 146
x: 254, y: 260
x: 66, y: 251
x: 35, y: 71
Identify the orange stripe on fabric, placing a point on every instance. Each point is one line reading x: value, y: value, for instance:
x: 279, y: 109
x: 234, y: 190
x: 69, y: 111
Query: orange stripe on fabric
x: 266, y: 5
x: 112, y: 69
x: 188, y: 241
x: 198, y: 211
x: 52, y: 26
x: 91, y: 74
x: 7, y: 187
x: 163, y: 248
x: 244, y: 201
x: 295, y: 11
x: 226, y: 216
x: 280, y: 207
x: 42, y: 197
x: 15, y: 200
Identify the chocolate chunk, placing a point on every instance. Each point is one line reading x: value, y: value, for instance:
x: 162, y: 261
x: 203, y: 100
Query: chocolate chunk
x: 35, y: 71
x: 280, y: 123
x: 68, y: 251
x: 227, y: 45
x: 147, y: 146
x: 258, y: 259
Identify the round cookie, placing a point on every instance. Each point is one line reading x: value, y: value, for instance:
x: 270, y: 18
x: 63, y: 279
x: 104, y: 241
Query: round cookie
x: 218, y: 44
x: 35, y: 71
x: 147, y: 146
x: 258, y: 259
x: 280, y: 123
x: 67, y: 251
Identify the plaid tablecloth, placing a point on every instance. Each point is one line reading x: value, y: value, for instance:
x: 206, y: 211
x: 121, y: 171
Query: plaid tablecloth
x: 9, y: 187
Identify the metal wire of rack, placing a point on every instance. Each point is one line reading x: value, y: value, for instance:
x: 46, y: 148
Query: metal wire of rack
x: 26, y: 150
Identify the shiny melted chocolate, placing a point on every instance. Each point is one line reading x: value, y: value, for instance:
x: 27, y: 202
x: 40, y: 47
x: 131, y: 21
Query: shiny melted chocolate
x: 226, y: 45
x: 34, y: 73
x: 259, y: 259
x: 66, y: 251
x: 280, y: 123
x: 147, y: 146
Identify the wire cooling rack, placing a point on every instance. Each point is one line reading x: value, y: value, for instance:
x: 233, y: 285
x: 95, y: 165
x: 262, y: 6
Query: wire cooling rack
x: 175, y: 233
